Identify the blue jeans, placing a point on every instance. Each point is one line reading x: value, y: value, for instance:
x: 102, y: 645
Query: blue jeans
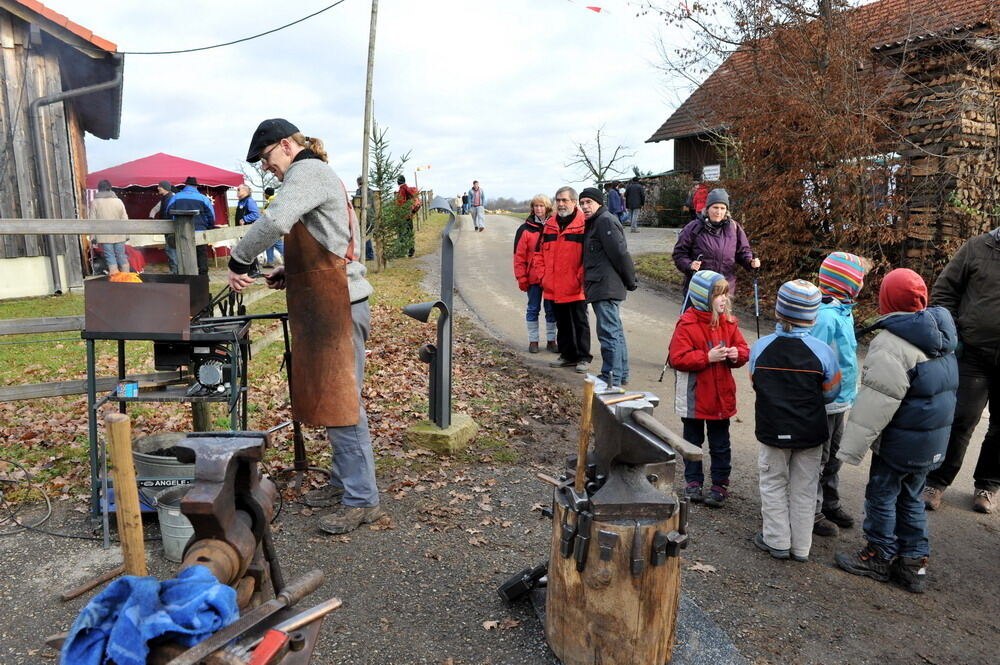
x: 719, y: 448
x: 535, y: 304
x: 171, y: 253
x: 353, y: 466
x: 114, y: 256
x: 280, y: 246
x: 895, y: 520
x: 611, y: 335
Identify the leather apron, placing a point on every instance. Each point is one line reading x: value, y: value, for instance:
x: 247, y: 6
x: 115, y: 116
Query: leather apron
x: 324, y: 387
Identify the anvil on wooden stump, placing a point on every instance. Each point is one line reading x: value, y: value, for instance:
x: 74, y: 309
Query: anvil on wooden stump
x: 614, y: 566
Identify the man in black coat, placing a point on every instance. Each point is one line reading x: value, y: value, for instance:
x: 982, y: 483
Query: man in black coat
x: 608, y: 273
x: 635, y: 198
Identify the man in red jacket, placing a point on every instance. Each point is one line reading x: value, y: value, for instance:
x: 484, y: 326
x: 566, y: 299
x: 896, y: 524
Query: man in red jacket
x: 562, y: 281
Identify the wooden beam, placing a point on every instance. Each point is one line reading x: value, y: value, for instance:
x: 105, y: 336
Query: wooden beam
x: 79, y: 387
x: 220, y: 234
x: 86, y: 226
x: 45, y: 324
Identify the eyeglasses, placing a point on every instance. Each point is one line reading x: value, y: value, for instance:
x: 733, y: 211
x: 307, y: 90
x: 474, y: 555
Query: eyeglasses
x: 267, y: 155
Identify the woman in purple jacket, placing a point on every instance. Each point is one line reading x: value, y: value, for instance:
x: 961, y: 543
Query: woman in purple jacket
x: 713, y: 241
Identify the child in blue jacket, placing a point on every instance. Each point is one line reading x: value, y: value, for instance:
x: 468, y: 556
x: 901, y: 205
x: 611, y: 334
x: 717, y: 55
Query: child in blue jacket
x: 841, y: 276
x: 903, y: 413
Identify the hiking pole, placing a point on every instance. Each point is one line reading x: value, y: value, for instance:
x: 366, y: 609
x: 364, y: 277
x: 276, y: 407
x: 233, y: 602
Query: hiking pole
x: 756, y: 300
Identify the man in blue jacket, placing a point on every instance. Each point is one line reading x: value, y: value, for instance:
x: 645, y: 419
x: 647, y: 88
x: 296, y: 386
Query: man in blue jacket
x: 190, y: 198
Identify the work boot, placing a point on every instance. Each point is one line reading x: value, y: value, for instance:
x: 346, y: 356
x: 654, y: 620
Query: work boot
x: 693, y: 492
x: 911, y: 574
x: 551, y: 346
x: 825, y: 527
x: 562, y: 362
x: 758, y: 540
x: 532, y: 347
x: 984, y: 501
x: 932, y: 497
x: 867, y: 562
x: 839, y: 517
x: 349, y: 518
x: 716, y: 496
x: 324, y: 497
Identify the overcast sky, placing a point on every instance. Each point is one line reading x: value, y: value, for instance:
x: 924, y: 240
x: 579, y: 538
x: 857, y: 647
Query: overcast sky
x: 494, y: 90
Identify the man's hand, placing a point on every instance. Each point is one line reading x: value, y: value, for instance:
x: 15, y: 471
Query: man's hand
x: 276, y: 279
x: 755, y: 263
x: 239, y: 282
x: 695, y: 266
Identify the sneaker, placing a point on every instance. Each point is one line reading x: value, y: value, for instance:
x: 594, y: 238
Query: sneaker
x: 562, y: 362
x: 825, y: 527
x: 839, y: 517
x: 693, y: 492
x: 716, y: 496
x: 911, y: 574
x: 349, y: 518
x: 932, y: 497
x: 867, y: 562
x: 798, y: 558
x: 983, y: 501
x: 551, y: 346
x: 532, y: 347
x: 582, y: 367
x: 324, y: 497
x: 758, y: 540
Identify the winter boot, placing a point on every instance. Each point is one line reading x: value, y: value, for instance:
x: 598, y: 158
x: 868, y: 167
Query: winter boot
x: 532, y: 347
x: 867, y: 562
x: 551, y: 346
x: 825, y: 527
x: 911, y: 574
x: 693, y: 492
x: 716, y: 496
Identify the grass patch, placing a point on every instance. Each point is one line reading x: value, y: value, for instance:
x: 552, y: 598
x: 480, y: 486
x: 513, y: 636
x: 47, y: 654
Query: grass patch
x: 658, y: 267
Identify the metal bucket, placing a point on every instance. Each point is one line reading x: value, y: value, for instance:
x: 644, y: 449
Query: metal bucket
x: 175, y: 528
x: 159, y: 472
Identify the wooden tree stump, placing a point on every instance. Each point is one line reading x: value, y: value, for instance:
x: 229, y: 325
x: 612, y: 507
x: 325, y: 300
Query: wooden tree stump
x: 606, y: 614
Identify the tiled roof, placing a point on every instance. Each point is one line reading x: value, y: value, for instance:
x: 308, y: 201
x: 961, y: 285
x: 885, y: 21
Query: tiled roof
x: 63, y: 22
x: 890, y: 21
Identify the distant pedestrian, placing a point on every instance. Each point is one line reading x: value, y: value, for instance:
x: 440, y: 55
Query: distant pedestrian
x: 608, y: 273
x: 706, y: 347
x: 159, y: 211
x: 465, y: 204
x: 697, y: 199
x: 635, y: 198
x: 562, y: 282
x: 794, y: 375
x: 969, y: 287
x: 529, y: 269
x: 841, y: 276
x: 247, y: 211
x: 718, y: 239
x: 107, y: 205
x: 279, y: 244
x: 407, y: 198
x: 616, y: 204
x: 477, y: 202
x: 904, y: 414
x: 189, y: 198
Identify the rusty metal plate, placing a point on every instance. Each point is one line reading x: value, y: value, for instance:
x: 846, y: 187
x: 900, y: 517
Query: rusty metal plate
x: 137, y: 310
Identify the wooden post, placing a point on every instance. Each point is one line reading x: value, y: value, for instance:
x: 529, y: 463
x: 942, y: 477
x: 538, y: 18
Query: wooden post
x: 187, y: 256
x: 119, y: 433
x: 363, y: 213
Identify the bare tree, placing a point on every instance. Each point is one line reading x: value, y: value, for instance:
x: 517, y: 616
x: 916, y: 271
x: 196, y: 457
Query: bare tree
x: 596, y: 161
x: 258, y: 178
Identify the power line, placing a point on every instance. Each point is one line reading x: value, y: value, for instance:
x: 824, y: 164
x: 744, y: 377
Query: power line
x: 235, y: 41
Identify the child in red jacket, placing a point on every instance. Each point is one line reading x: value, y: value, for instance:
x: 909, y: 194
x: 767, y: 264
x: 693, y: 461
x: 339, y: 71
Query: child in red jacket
x: 529, y: 269
x: 707, y: 345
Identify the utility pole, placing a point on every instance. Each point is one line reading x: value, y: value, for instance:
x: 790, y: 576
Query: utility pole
x: 363, y: 214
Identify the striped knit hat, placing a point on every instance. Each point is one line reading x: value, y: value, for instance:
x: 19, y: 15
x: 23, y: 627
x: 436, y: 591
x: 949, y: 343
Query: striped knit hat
x: 841, y: 276
x: 798, y: 302
x: 700, y: 289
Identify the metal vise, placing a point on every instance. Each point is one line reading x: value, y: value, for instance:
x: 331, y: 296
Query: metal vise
x: 230, y: 507
x: 623, y: 450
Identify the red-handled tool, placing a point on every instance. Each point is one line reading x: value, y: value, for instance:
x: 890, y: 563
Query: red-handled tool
x: 275, y: 641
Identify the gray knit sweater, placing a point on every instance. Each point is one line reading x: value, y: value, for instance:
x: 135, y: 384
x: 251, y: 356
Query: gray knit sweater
x: 311, y: 192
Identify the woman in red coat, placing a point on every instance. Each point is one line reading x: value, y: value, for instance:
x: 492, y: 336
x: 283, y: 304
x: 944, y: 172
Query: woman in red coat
x: 707, y: 345
x: 529, y: 268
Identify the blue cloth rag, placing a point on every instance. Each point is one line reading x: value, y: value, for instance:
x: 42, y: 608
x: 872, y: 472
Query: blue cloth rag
x: 118, y: 623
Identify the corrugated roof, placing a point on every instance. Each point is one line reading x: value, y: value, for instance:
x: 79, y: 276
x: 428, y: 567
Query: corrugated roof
x: 892, y: 21
x: 60, y: 21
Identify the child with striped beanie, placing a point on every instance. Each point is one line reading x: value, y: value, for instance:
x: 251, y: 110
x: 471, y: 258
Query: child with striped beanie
x: 794, y: 375
x: 841, y: 276
x: 706, y: 347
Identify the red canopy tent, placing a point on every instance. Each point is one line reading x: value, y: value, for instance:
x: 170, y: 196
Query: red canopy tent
x: 136, y: 183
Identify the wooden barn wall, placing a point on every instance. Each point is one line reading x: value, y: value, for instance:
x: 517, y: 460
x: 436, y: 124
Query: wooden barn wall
x: 30, y: 72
